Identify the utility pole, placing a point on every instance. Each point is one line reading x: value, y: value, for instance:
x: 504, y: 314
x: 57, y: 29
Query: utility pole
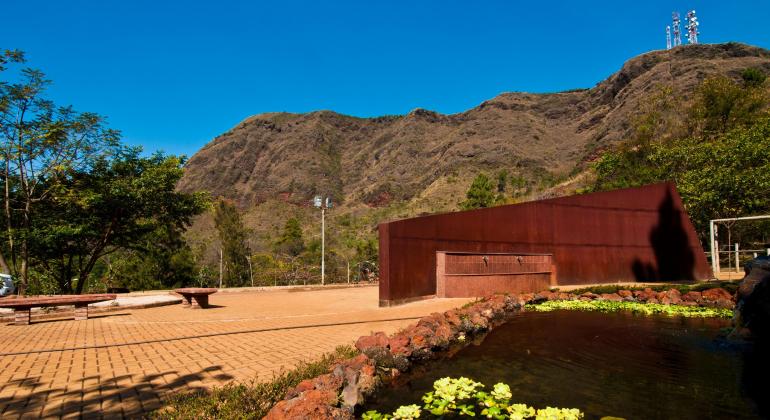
x: 323, y: 204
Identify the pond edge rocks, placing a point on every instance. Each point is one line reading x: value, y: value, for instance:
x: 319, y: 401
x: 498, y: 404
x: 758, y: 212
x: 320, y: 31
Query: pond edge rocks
x: 337, y: 394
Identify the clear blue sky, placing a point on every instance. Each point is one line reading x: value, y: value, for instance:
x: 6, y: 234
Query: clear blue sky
x: 174, y: 74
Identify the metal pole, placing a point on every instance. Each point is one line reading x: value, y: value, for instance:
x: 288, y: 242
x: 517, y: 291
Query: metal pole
x: 737, y: 263
x: 714, y: 257
x: 323, y: 245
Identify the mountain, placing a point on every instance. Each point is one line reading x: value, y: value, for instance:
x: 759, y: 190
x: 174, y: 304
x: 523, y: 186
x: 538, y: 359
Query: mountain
x: 384, y: 160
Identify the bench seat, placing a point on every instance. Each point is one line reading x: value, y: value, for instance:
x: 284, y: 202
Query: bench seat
x: 196, y: 297
x: 22, y: 305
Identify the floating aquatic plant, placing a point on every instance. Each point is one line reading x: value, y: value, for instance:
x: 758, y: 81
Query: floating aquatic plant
x: 635, y: 307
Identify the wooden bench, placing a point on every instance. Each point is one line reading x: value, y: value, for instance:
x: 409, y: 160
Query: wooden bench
x: 22, y: 305
x: 196, y: 297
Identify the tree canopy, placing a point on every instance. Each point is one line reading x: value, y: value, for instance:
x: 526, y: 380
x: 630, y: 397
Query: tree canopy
x: 719, y: 161
x: 72, y: 193
x: 480, y: 194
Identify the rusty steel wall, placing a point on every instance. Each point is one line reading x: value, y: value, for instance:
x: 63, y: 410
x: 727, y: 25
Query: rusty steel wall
x: 633, y: 234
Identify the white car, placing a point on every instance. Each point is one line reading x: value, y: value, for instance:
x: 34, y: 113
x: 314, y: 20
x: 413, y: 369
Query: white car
x: 6, y: 285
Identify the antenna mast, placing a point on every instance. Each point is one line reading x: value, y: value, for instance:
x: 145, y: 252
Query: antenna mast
x: 668, y: 37
x: 677, y: 34
x: 692, y: 27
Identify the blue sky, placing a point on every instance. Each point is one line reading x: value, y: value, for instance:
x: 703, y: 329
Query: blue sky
x: 172, y: 75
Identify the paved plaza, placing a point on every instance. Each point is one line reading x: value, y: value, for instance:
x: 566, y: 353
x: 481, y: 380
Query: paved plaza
x: 123, y: 363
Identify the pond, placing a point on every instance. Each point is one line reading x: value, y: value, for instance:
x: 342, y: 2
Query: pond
x: 619, y: 364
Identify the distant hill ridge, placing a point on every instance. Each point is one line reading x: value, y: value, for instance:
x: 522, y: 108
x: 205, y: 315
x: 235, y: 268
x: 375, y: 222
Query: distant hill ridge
x: 375, y: 161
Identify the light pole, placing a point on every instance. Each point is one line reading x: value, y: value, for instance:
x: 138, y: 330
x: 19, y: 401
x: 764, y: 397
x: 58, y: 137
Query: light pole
x: 323, y: 204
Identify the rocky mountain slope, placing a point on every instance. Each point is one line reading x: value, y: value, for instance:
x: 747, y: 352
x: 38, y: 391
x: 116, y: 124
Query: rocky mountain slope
x: 378, y: 161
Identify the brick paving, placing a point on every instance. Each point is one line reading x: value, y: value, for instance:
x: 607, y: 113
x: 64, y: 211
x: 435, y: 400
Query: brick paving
x: 124, y: 363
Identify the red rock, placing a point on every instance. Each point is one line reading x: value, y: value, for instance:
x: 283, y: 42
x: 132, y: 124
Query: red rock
x: 716, y: 294
x: 442, y: 335
x: 379, y: 339
x: 368, y: 370
x: 646, y: 295
x: 452, y: 318
x: 327, y: 382
x: 625, y: 294
x: 589, y: 295
x: 301, y: 387
x: 614, y: 297
x: 356, y: 363
x: 399, y: 345
x: 479, y: 321
x: 695, y: 297
x: 311, y: 405
x: 546, y: 295
x: 418, y: 342
x: 669, y: 297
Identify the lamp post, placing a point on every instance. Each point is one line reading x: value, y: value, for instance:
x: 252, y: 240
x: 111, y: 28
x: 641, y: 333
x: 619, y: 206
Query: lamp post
x: 323, y: 204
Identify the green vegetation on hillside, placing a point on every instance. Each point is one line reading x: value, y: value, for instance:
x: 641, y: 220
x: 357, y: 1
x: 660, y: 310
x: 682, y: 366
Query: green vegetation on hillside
x: 717, y: 154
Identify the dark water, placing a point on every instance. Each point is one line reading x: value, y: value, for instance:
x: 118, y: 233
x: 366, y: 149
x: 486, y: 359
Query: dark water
x: 636, y: 367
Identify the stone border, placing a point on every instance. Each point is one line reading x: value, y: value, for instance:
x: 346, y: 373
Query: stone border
x: 337, y: 394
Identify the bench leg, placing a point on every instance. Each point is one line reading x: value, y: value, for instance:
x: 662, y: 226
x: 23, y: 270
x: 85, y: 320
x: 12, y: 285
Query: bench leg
x: 200, y: 302
x: 81, y: 312
x: 21, y: 316
x: 186, y: 300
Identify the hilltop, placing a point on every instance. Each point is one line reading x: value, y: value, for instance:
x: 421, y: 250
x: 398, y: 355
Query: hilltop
x: 378, y: 161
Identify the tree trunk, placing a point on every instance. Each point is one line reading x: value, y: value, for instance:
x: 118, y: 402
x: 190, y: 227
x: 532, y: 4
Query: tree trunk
x: 220, y: 268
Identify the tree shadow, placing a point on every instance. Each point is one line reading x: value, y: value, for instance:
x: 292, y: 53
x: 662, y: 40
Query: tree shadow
x: 124, y: 396
x: 674, y: 259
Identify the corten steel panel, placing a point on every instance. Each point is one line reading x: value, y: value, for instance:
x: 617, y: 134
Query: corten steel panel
x: 631, y: 234
x: 479, y: 286
x: 473, y: 275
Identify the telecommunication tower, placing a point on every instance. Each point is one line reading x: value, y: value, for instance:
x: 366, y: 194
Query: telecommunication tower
x: 668, y: 37
x: 692, y: 27
x: 677, y: 34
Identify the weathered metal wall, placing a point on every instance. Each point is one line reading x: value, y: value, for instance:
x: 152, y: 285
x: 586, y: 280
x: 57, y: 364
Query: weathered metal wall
x: 640, y: 234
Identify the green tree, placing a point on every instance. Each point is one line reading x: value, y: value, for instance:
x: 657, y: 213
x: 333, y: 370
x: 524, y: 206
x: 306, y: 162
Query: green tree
x: 720, y: 167
x: 40, y: 145
x: 126, y: 203
x: 162, y: 260
x: 291, y: 242
x: 480, y: 194
x: 502, y: 181
x: 724, y: 177
x: 722, y: 103
x: 235, y: 247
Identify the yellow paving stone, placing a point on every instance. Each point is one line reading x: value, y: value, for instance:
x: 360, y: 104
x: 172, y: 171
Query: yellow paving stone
x: 124, y: 363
